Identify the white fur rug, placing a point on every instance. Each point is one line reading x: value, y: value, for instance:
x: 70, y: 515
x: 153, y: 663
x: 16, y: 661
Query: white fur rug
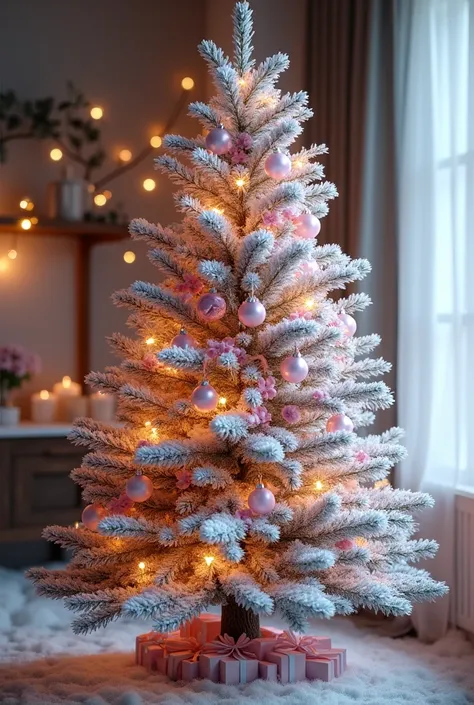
x: 43, y: 663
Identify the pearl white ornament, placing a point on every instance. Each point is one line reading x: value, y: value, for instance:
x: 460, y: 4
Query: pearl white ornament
x: 183, y: 340
x: 252, y: 312
x: 294, y: 369
x: 307, y: 226
x: 218, y: 140
x: 348, y: 324
x: 205, y: 397
x: 339, y: 422
x: 277, y: 165
x: 261, y: 500
x: 93, y: 515
x: 139, y: 488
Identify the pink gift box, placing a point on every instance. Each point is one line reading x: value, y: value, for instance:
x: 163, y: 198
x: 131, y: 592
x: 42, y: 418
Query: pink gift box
x: 151, y: 653
x: 175, y: 664
x: 342, y: 653
x: 190, y: 670
x: 319, y: 669
x: 335, y: 658
x: 270, y: 632
x: 267, y: 671
x: 233, y: 671
x: 204, y: 628
x: 209, y: 666
x: 322, y: 642
x: 291, y: 665
x: 162, y: 664
x: 261, y: 647
x: 140, y: 641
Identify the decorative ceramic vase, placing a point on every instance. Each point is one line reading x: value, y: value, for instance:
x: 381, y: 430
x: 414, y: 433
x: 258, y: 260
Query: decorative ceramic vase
x: 67, y: 198
x: 9, y: 415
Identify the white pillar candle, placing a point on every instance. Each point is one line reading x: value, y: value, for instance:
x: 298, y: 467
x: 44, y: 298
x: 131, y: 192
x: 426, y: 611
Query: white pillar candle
x: 64, y: 391
x: 43, y: 407
x: 102, y: 406
x: 72, y: 407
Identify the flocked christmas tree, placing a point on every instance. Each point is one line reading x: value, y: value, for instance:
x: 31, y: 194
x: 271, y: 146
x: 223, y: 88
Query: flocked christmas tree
x: 238, y: 478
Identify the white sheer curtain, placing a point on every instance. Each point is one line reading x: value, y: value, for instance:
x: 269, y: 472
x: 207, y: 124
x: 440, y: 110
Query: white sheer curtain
x: 434, y: 57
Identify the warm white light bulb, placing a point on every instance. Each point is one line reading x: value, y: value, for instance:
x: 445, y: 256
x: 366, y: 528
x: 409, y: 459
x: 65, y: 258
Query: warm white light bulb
x: 187, y: 83
x: 222, y: 401
x: 26, y: 224
x: 96, y: 112
x: 100, y: 199
x: 44, y: 394
x: 142, y: 565
x: 208, y: 560
x: 129, y: 257
x: 12, y: 254
x: 318, y: 485
x: 240, y: 183
x: 125, y: 155
x: 149, y: 184
x: 56, y: 154
x: 150, y: 341
x: 156, y: 141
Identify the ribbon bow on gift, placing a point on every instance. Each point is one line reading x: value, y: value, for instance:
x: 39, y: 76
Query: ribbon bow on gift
x: 183, y: 644
x: 295, y: 642
x: 227, y: 646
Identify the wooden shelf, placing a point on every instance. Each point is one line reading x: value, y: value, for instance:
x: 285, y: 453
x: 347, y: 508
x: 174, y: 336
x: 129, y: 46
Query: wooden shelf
x: 87, y: 234
x: 98, y: 232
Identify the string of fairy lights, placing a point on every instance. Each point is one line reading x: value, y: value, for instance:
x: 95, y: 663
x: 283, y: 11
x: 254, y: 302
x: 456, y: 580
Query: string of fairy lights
x: 125, y: 161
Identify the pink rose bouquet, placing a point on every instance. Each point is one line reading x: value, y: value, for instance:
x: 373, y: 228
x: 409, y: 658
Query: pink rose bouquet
x: 17, y: 365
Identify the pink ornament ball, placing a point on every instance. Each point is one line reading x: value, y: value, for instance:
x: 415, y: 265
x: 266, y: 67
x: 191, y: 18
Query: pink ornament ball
x: 294, y: 369
x: 211, y: 306
x: 204, y: 397
x: 261, y: 500
x: 183, y: 340
x: 93, y: 515
x: 218, y: 140
x: 348, y: 324
x: 339, y: 422
x: 139, y: 488
x: 344, y: 544
x: 307, y: 226
x: 277, y: 166
x: 252, y: 312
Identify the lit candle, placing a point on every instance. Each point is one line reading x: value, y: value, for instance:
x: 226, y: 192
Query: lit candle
x: 43, y: 407
x: 70, y: 403
x: 102, y: 406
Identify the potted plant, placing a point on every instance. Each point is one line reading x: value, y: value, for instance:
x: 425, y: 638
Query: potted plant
x: 17, y: 365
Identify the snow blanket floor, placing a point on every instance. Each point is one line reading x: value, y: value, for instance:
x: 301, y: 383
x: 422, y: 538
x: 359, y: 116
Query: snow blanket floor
x: 44, y: 663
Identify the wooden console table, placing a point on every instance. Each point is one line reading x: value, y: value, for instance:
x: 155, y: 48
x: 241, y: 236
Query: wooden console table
x: 87, y: 234
x: 35, y: 463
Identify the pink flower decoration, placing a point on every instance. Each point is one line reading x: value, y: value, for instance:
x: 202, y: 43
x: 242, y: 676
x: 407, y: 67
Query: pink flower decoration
x: 267, y: 387
x: 320, y: 395
x: 217, y: 347
x: 150, y: 362
x: 344, y: 544
x: 259, y: 415
x: 238, y: 156
x: 271, y: 218
x: 183, y: 479
x: 307, y: 268
x: 191, y: 284
x: 244, y: 141
x: 301, y: 313
x: 227, y: 646
x: 291, y: 413
x: 121, y: 505
x: 245, y: 515
x: 289, y: 213
x: 361, y: 456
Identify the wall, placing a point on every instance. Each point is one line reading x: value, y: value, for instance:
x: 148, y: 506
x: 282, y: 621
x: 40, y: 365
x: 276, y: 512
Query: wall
x: 128, y: 57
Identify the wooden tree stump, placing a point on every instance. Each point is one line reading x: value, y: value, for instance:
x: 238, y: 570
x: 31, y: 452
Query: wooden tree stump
x: 236, y: 620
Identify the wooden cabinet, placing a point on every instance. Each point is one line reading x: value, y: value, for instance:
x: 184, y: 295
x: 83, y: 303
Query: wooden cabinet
x: 36, y: 489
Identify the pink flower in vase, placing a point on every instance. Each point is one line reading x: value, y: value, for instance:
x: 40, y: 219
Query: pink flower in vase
x: 267, y: 387
x: 183, y: 479
x: 291, y: 413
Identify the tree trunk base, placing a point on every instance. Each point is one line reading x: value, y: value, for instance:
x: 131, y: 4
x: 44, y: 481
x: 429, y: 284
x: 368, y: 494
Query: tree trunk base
x: 236, y: 620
